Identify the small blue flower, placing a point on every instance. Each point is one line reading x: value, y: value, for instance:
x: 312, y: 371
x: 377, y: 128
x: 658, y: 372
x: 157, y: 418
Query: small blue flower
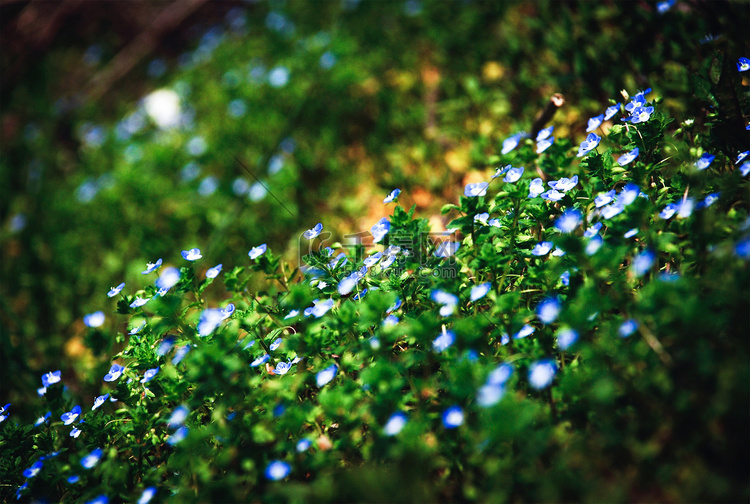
x: 94, y: 319
x: 743, y: 65
x: 479, y: 291
x: 99, y: 401
x: 139, y: 301
x: 611, y: 210
x: 543, y: 145
x: 373, y: 259
x: 213, y: 272
x: 33, y: 470
x: 568, y: 221
x: 115, y: 290
x: 70, y: 416
x: 73, y: 479
x: 628, y: 194
x: 169, y: 278
x: 90, y: 460
x: 192, y: 255
x: 392, y: 196
x: 178, y: 436
x: 565, y: 184
x: 566, y: 338
x: 511, y: 143
x: 565, y: 278
x: 513, y: 175
x: 541, y: 373
x: 453, y: 417
x: 444, y: 341
x: 642, y: 263
x: 276, y: 344
x: 165, y: 346
x: 303, y: 445
x: 395, y: 424
x: 282, y: 368
x: 593, y: 245
x: 260, y: 360
x: 741, y: 156
x: 536, y: 187
x: 525, y: 331
x: 380, y: 229
x: 501, y: 170
x: 178, y: 417
x: 542, y: 248
x: 75, y: 432
x: 548, y: 310
x: 136, y: 330
x: 277, y: 470
x: 604, y: 198
x: 291, y: 314
x: 227, y: 311
x: 490, y: 394
x: 500, y: 374
x: 640, y: 114
x: 594, y: 123
x: 708, y: 200
x: 592, y: 231
x: 544, y: 134
x: 477, y: 189
x: 180, y: 354
x: 628, y: 157
x: 745, y: 168
x: 40, y: 420
x: 320, y: 308
x: 558, y: 252
x: 209, y: 321
x: 115, y: 371
x: 149, y: 374
x: 390, y: 320
x: 705, y: 161
x: 258, y: 251
x: 591, y: 142
x: 314, y: 232
x: 326, y: 375
x: 50, y: 378
x: 147, y: 495
x: 611, y: 111
x: 99, y: 499
x: 627, y: 328
x: 742, y: 248
x: 553, y: 195
x: 631, y: 233
x: 395, y: 306
x: 663, y: 7
x: 151, y: 267
x: 445, y: 249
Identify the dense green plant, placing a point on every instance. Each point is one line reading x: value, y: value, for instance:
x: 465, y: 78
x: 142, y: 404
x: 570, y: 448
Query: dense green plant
x: 581, y: 334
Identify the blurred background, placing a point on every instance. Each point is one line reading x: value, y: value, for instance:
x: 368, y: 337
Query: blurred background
x: 125, y: 126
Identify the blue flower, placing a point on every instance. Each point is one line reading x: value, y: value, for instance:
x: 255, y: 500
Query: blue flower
x: 277, y: 470
x: 568, y: 221
x: 611, y: 210
x: 745, y: 168
x: 640, y: 114
x: 314, y: 232
x: 705, y: 161
x: 513, y: 175
x: 395, y: 424
x: 70, y: 416
x: 445, y: 249
x: 178, y: 416
x: 373, y: 259
x: 380, y: 229
x: 479, y: 291
x: 178, y: 436
x: 565, y: 278
x: 165, y: 346
x: 303, y: 445
x: 642, y: 263
x: 591, y: 142
x: 543, y: 145
x: 209, y: 321
x: 447, y: 300
x: 742, y: 248
x: 525, y: 331
x: 149, y: 374
x: 136, y: 330
x: 611, y: 111
x: 741, y: 156
x: 664, y: 6
x: 50, y: 378
x: 115, y: 290
x: 501, y: 170
x: 445, y: 340
x: 541, y: 373
x: 500, y: 374
x: 139, y: 301
x: 477, y: 189
x: 151, y: 267
x: 227, y: 311
x: 75, y: 432
x: 594, y: 123
x: 566, y: 338
x: 593, y: 245
x: 631, y: 233
x: 627, y: 328
x: 511, y: 143
x: 592, y: 231
x: 180, y: 354
x: 392, y: 196
x: 90, y: 460
x: 628, y: 157
x: 33, y: 470
x: 628, y: 194
x: 291, y: 314
x: 147, y: 495
x: 192, y: 255
x: 490, y: 394
x: 99, y: 401
x: 565, y: 184
x: 40, y: 420
x: 548, y: 310
x: 213, y: 272
x: 258, y: 251
x: 169, y: 278
x: 743, y: 65
x: 260, y: 360
x: 453, y: 417
x: 553, y: 195
x: 395, y: 306
x: 73, y: 479
x: 282, y: 368
x: 325, y: 376
x: 390, y: 320
x: 94, y: 319
x: 542, y: 248
x: 536, y: 188
x: 99, y: 499
x: 115, y: 371
x: 708, y: 201
x: 320, y: 308
x: 276, y: 344
x: 604, y: 198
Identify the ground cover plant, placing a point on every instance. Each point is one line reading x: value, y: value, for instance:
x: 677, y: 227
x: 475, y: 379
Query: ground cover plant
x: 578, y: 330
